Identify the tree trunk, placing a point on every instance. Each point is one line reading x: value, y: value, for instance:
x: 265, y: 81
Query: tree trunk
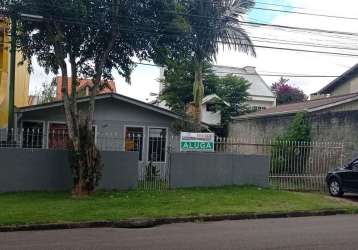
x: 84, y: 157
x: 198, y: 93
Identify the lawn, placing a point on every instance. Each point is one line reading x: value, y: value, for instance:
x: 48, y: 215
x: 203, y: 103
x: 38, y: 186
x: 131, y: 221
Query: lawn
x: 39, y: 207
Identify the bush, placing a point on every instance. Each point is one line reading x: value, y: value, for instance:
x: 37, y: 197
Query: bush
x: 290, y: 152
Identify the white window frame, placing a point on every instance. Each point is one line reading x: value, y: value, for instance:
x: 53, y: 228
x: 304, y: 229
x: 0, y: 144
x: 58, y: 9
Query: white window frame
x: 43, y: 131
x: 166, y: 143
x: 144, y: 157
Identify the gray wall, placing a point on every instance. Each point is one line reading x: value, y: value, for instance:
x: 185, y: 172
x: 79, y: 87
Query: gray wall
x: 218, y: 169
x: 339, y: 126
x: 48, y: 170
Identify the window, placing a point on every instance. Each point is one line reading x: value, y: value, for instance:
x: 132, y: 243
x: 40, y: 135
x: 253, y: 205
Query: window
x: 134, y: 140
x: 157, y: 144
x: 258, y: 108
x: 32, y: 134
x: 211, y: 107
x: 58, y: 136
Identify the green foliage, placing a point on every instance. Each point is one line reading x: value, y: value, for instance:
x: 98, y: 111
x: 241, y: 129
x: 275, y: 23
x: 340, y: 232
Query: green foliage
x: 299, y: 129
x: 233, y: 90
x: 47, y: 93
x: 185, y: 124
x: 212, y: 22
x: 178, y: 84
x: 292, y: 148
x: 177, y: 92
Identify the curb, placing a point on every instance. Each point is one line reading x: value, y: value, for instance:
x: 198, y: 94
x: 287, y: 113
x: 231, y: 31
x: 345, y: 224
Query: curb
x: 149, y: 223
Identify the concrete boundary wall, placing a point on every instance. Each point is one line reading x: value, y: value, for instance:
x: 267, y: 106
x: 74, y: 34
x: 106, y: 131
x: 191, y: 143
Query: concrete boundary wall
x: 49, y: 170
x: 218, y: 169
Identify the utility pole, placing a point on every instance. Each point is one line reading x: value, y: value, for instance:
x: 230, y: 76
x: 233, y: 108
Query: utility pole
x: 11, y: 120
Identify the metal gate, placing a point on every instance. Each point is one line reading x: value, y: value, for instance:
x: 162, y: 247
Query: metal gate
x: 294, y: 165
x: 303, y: 166
x: 154, y: 171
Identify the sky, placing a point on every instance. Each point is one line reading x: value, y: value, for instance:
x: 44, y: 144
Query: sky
x: 145, y: 78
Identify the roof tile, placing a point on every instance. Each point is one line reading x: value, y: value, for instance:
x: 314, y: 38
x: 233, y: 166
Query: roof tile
x: 300, y: 106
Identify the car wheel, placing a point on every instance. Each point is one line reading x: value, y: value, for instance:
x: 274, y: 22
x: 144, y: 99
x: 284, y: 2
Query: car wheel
x: 335, y: 188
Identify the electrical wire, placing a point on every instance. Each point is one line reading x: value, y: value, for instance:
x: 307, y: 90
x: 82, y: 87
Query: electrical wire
x: 261, y: 74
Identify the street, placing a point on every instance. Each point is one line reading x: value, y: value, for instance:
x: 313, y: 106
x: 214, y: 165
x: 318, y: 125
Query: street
x: 333, y: 232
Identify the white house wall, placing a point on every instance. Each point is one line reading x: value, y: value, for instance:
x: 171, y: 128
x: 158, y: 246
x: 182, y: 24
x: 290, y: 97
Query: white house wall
x: 210, y: 118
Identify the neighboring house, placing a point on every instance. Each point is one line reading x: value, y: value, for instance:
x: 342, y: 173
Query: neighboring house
x: 209, y: 113
x: 21, y: 80
x: 83, y: 88
x: 121, y: 123
x: 347, y: 83
x: 260, y: 95
x: 332, y: 119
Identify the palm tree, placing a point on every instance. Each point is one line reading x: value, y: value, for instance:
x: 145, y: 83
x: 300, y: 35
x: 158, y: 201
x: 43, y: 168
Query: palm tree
x: 214, y: 22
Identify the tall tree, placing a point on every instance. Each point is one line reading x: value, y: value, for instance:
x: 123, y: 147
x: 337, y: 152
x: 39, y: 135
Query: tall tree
x: 89, y: 39
x: 177, y: 92
x: 213, y: 22
x: 286, y: 93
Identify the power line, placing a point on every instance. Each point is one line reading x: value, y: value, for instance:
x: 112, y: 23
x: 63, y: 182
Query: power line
x: 257, y: 46
x: 153, y: 32
x: 253, y: 23
x: 300, y: 28
x: 252, y: 74
x: 304, y: 44
x: 281, y: 5
x: 306, y: 13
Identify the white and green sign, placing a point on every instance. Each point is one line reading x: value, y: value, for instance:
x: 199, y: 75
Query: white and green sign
x: 197, y: 142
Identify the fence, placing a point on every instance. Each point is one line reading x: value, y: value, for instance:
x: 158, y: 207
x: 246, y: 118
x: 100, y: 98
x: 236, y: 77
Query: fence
x: 294, y: 165
x: 153, y: 154
x: 300, y: 166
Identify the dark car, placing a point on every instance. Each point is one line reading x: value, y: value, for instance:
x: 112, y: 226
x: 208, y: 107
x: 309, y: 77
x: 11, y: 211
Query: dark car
x: 344, y: 179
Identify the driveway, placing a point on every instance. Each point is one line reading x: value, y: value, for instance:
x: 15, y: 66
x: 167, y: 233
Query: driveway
x: 334, y: 232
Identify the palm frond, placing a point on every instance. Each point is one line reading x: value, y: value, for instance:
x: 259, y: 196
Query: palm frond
x: 235, y: 37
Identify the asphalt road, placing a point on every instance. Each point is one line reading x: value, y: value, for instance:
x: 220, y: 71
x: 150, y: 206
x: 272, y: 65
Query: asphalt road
x: 334, y: 232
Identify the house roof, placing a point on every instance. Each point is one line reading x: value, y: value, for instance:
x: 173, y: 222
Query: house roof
x: 213, y: 97
x: 258, y: 86
x: 307, y: 106
x: 108, y: 86
x: 104, y: 96
x: 341, y: 79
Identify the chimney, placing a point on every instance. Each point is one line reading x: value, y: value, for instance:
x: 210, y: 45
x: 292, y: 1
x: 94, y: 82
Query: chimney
x: 250, y: 69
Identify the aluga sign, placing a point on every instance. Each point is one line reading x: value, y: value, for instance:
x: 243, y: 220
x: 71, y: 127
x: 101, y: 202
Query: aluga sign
x: 197, y: 142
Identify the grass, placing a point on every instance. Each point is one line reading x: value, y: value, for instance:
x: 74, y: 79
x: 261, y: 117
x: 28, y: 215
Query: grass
x: 39, y: 207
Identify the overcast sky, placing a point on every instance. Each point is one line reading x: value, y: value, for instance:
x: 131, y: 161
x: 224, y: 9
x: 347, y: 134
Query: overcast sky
x: 144, y: 78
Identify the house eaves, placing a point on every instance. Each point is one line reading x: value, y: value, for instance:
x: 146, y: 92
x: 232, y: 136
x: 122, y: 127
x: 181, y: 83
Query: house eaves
x: 261, y: 116
x: 294, y: 111
x: 338, y: 80
x: 331, y: 105
x: 105, y: 96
